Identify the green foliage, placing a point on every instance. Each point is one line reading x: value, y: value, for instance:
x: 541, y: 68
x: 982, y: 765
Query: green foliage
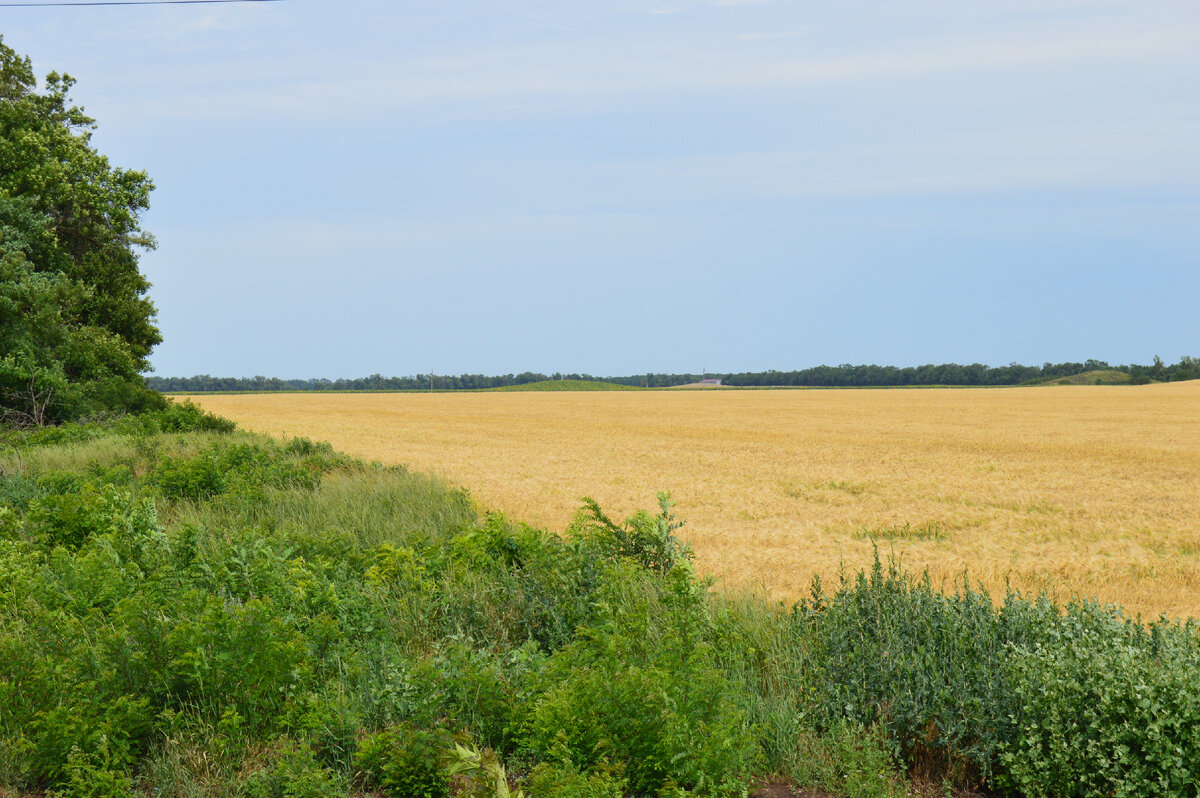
x: 187, y: 417
x: 642, y: 690
x: 292, y: 771
x: 930, y: 530
x: 76, y: 328
x: 243, y: 656
x: 649, y: 540
x: 218, y: 613
x: 191, y: 478
x: 173, y: 417
x: 54, y: 366
x: 848, y: 760
x: 405, y: 762
x: 478, y: 686
x: 1079, y: 700
x: 243, y: 469
x: 17, y: 490
x: 484, y: 773
x: 564, y: 780
x: 399, y: 566
x: 94, y: 776
x: 1112, y: 712
x: 71, y: 519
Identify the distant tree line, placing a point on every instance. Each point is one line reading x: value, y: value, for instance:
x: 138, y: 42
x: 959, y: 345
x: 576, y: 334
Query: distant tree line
x: 843, y: 376
x: 849, y: 376
x: 375, y: 382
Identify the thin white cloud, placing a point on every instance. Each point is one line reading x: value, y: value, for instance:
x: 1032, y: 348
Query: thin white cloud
x: 605, y: 69
x: 762, y: 37
x: 978, y: 165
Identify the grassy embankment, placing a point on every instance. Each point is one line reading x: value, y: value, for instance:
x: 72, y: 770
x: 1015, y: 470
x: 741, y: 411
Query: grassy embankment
x: 1097, y: 377
x: 567, y: 385
x: 190, y: 611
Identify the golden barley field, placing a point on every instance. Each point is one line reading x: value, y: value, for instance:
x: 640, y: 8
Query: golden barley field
x: 1081, y: 490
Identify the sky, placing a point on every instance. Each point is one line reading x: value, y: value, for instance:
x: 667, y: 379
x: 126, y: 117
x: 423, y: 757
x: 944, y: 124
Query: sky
x: 650, y: 185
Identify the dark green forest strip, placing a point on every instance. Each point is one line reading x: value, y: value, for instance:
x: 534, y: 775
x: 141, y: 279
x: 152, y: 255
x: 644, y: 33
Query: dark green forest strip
x: 191, y: 610
x: 843, y: 376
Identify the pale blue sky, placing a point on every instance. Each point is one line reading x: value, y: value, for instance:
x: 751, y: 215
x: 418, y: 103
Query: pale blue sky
x: 621, y: 187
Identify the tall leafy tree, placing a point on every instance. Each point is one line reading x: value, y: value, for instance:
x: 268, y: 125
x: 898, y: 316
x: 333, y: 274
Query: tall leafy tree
x: 76, y: 326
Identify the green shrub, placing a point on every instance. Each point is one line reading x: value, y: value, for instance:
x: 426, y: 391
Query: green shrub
x: 1027, y: 696
x: 479, y: 687
x: 647, y: 539
x: 847, y: 760
x: 182, y: 416
x: 399, y: 567
x: 479, y: 773
x: 292, y: 771
x: 880, y: 649
x: 303, y: 447
x: 405, y: 762
x: 73, y: 519
x: 245, y: 469
x: 82, y: 739
x: 538, y: 587
x: 329, y: 722
x: 1106, y: 710
x: 59, y: 482
x: 564, y: 780
x: 168, y: 417
x: 245, y: 656
x: 17, y: 490
x: 94, y: 776
x: 642, y: 691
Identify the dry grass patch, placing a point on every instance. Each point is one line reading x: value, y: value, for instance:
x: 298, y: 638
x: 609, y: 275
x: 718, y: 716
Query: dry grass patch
x: 1092, y: 490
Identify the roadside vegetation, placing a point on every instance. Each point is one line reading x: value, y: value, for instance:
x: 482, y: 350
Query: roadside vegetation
x: 188, y: 610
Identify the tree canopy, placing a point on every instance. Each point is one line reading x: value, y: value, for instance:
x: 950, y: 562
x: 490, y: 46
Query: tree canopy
x: 76, y: 326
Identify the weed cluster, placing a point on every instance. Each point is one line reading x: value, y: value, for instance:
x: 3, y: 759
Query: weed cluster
x: 200, y: 611
x: 1025, y: 696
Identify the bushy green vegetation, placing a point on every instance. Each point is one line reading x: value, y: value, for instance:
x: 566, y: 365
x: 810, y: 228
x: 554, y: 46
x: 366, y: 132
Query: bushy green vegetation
x: 1023, y: 696
x: 189, y: 610
x: 76, y: 327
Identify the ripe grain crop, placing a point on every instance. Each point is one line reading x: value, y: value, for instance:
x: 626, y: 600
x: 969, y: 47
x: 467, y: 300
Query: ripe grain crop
x: 1081, y: 490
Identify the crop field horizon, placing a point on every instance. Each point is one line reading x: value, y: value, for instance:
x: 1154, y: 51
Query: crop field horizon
x: 1080, y: 490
